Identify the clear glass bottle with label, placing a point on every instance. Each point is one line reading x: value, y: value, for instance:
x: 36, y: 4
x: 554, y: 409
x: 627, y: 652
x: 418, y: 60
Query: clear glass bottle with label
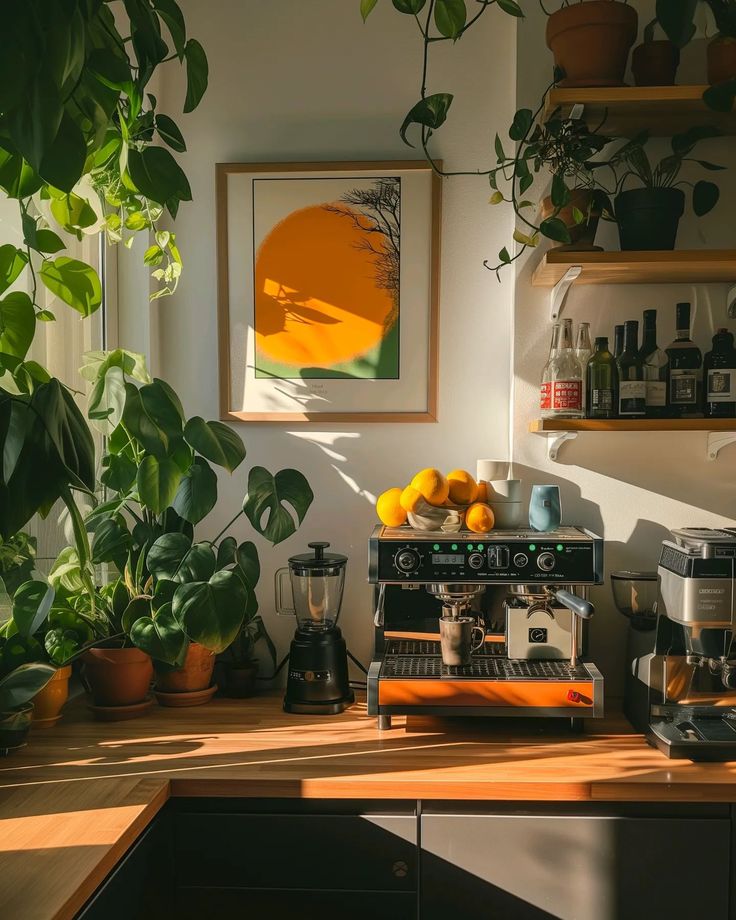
x: 685, y: 374
x: 566, y: 378
x: 655, y: 368
x: 601, y: 382
x: 719, y: 370
x: 545, y: 391
x: 632, y: 388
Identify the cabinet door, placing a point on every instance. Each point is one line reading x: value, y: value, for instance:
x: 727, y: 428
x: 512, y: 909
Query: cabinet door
x: 527, y: 867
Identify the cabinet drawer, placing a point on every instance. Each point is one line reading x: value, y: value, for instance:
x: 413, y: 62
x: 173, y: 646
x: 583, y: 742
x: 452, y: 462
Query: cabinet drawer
x: 531, y: 867
x: 359, y: 852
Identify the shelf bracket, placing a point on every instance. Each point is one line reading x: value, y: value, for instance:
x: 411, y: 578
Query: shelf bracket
x: 555, y: 440
x: 717, y: 440
x: 559, y: 291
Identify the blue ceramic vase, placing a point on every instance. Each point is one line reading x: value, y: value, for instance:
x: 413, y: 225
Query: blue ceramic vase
x: 545, y: 512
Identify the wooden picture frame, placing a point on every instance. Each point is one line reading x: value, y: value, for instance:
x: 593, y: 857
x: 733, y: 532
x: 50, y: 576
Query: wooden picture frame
x: 396, y: 380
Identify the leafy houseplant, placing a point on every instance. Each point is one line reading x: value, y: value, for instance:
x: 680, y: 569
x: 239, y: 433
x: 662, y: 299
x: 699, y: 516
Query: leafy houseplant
x: 170, y: 591
x: 566, y: 148
x: 17, y: 690
x: 677, y: 19
x: 648, y: 216
x: 81, y: 150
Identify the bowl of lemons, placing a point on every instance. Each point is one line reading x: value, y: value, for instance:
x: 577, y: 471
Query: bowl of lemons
x: 437, y: 502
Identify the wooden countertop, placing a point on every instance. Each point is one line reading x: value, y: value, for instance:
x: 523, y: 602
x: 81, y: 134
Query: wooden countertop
x: 73, y: 801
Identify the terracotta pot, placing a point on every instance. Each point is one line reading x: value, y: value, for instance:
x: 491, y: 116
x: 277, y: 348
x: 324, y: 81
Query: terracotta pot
x: 240, y: 682
x: 118, y: 676
x: 14, y: 728
x: 582, y: 235
x: 195, y: 674
x: 591, y: 41
x: 721, y: 60
x: 655, y: 63
x: 48, y: 703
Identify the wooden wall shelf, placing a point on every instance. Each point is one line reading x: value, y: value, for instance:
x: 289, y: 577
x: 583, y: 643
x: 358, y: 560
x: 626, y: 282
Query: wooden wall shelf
x: 687, y: 266
x: 649, y: 424
x: 720, y: 432
x: 626, y: 110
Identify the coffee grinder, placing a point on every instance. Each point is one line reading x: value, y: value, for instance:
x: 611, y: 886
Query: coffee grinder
x: 317, y: 682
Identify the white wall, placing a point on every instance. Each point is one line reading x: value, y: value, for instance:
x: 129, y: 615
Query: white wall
x: 291, y: 80
x: 634, y: 487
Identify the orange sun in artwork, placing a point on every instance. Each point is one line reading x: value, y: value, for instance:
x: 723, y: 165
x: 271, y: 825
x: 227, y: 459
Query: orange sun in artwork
x: 316, y: 299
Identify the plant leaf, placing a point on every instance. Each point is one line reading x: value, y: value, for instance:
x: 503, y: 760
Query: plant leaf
x: 157, y: 480
x: 411, y: 7
x: 17, y: 324
x: 107, y: 401
x: 167, y: 554
x: 511, y: 7
x: 138, y: 608
x: 76, y: 283
x: 31, y: 605
x: 111, y: 543
x: 170, y: 134
x: 264, y: 503
x: 705, y: 197
x: 197, y: 492
x: 450, y: 17
x: 248, y: 563
x: 157, y: 175
x: 211, y: 612
x: 215, y: 441
x: 430, y: 112
x: 521, y: 124
x: 197, y: 75
x: 22, y: 684
x: 161, y: 637
x: 554, y: 229
x: 12, y: 263
x: 366, y: 7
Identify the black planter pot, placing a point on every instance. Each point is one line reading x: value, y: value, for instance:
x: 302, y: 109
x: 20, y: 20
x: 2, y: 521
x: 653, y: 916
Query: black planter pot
x: 648, y: 217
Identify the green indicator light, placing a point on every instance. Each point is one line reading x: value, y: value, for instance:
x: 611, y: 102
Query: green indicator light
x: 532, y: 547
x: 436, y: 547
x: 454, y: 546
x: 480, y: 546
x: 470, y: 546
x: 560, y: 547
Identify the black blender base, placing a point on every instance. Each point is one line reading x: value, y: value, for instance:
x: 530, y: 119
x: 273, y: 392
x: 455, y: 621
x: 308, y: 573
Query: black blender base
x: 331, y: 708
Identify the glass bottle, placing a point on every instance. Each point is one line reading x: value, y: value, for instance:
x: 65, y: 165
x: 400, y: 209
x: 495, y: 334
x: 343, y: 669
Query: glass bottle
x: 685, y: 374
x: 566, y: 377
x: 618, y: 341
x: 655, y: 368
x: 583, y: 352
x: 720, y: 377
x: 601, y: 382
x: 632, y: 389
x: 545, y: 393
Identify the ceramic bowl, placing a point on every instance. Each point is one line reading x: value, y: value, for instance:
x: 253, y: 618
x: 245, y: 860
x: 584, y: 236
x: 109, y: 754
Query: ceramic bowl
x: 508, y: 515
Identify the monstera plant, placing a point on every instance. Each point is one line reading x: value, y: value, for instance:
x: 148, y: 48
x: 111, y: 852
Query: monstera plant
x: 83, y: 149
x: 159, y: 482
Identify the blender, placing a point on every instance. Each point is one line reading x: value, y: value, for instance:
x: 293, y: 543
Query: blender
x: 317, y: 682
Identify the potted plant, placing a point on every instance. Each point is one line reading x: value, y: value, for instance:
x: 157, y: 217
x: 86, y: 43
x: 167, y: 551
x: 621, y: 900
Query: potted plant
x: 655, y: 61
x: 677, y: 19
x: 176, y: 600
x: 591, y: 40
x: 566, y: 148
x: 648, y: 217
x: 18, y: 687
x: 239, y: 662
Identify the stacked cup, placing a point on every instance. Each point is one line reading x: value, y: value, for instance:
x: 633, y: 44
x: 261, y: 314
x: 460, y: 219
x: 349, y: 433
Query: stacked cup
x: 503, y: 494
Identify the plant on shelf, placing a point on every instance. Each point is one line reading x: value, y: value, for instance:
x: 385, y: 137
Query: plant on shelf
x: 678, y: 21
x: 81, y: 150
x: 655, y: 61
x: 648, y: 216
x: 172, y: 596
x: 566, y: 148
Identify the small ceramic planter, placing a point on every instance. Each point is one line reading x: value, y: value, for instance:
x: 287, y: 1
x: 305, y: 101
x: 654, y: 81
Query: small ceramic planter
x: 120, y: 681
x: 14, y: 729
x: 648, y: 218
x: 721, y: 60
x: 582, y: 235
x: 655, y: 63
x: 240, y: 683
x: 48, y: 703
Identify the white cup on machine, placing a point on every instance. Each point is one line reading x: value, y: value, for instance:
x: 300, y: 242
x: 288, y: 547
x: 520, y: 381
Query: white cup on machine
x: 503, y: 494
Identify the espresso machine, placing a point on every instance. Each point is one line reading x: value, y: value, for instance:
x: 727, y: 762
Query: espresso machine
x: 682, y: 694
x: 528, y: 592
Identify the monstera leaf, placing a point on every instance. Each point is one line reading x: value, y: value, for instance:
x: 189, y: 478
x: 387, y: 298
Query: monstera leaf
x: 211, y: 612
x: 264, y: 504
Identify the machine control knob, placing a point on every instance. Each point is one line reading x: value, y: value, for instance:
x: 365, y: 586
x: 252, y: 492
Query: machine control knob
x: 476, y: 560
x: 546, y: 562
x: 407, y: 560
x: 520, y: 560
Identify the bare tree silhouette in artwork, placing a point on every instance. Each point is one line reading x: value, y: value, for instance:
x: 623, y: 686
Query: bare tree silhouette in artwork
x: 376, y: 211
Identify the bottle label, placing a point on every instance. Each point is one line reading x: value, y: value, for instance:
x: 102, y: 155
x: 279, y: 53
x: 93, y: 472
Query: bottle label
x: 656, y: 393
x: 567, y: 394
x: 632, y: 397
x: 601, y: 400
x: 545, y: 396
x: 683, y: 388
x: 721, y: 385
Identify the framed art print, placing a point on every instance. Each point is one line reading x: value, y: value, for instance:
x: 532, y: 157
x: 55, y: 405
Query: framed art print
x: 328, y: 279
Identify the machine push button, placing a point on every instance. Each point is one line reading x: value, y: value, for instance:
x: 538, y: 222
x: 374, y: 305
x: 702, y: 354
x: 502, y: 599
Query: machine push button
x: 476, y: 560
x: 407, y: 561
x: 520, y: 560
x: 546, y: 562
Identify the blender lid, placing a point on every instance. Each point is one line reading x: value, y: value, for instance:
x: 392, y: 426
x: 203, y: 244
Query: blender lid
x: 318, y: 560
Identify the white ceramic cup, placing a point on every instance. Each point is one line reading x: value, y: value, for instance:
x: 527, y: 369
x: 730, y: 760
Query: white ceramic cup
x: 504, y: 490
x: 488, y: 470
x: 507, y: 515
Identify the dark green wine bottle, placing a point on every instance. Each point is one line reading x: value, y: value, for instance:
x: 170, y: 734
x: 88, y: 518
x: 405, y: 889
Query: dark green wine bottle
x: 601, y: 382
x: 632, y: 388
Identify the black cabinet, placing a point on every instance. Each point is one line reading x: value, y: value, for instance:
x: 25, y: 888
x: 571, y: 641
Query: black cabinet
x: 589, y: 864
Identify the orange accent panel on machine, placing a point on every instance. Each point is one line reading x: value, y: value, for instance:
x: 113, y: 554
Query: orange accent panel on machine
x: 572, y: 694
